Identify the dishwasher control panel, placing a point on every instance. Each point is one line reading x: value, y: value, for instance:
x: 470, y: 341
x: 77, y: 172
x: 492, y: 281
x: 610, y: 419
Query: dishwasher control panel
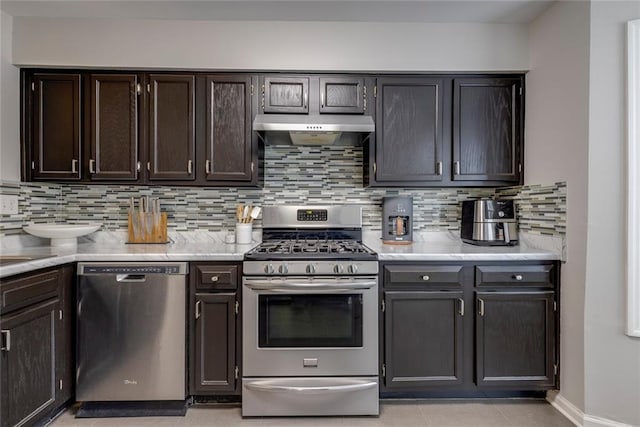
x: 124, y: 268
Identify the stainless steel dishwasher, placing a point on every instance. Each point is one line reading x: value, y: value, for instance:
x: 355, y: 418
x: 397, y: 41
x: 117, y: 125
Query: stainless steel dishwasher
x: 131, y: 331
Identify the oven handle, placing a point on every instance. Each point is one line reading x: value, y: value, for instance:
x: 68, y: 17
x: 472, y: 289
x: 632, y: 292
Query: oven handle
x: 266, y: 285
x: 270, y: 387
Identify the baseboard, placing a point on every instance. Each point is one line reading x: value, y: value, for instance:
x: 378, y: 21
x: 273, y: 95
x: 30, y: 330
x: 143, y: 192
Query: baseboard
x: 566, y: 408
x: 593, y: 421
x: 576, y: 416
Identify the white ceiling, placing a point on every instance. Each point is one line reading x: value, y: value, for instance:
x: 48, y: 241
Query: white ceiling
x: 480, y: 11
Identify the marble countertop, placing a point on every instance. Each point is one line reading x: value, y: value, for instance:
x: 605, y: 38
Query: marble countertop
x: 112, y: 246
x: 447, y: 246
x: 211, y: 246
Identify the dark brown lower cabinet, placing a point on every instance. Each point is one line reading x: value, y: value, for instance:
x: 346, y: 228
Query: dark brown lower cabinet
x: 215, y: 342
x: 430, y: 345
x: 424, y: 345
x: 515, y: 339
x: 36, y: 373
x: 215, y: 352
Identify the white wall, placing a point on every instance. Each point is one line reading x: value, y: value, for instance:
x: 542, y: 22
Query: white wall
x: 612, y: 359
x: 269, y: 45
x: 9, y: 106
x: 556, y: 139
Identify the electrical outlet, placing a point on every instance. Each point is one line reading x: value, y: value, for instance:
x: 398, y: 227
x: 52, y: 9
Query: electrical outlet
x: 8, y: 205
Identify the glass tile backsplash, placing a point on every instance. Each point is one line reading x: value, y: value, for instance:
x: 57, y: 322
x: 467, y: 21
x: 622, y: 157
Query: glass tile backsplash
x: 293, y: 175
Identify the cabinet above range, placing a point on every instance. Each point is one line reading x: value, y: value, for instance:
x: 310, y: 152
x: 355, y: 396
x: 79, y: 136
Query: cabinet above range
x: 140, y: 128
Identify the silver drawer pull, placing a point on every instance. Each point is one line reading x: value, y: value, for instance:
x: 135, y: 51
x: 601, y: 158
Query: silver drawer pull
x: 198, y: 308
x: 425, y: 278
x: 215, y: 278
x: 518, y: 277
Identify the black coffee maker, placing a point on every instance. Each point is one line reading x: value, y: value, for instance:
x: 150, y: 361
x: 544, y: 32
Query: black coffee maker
x: 397, y: 220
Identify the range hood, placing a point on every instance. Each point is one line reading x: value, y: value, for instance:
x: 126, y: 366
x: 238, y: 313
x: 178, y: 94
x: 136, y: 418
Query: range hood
x: 313, y: 129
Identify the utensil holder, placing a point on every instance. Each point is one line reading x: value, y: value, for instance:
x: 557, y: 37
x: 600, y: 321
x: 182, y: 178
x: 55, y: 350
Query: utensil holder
x: 243, y: 233
x: 147, y: 227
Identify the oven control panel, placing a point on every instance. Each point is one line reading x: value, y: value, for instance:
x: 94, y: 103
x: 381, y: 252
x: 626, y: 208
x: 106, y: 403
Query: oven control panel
x: 314, y: 215
x: 310, y: 268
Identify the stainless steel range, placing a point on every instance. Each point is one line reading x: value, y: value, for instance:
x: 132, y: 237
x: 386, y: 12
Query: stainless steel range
x: 310, y: 315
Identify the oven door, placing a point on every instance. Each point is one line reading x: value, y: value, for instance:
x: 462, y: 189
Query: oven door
x: 301, y: 326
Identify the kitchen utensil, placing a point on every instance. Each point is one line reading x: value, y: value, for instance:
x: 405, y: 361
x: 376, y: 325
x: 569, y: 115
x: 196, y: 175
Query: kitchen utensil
x: 245, y: 214
x: 255, y: 212
x: 239, y: 211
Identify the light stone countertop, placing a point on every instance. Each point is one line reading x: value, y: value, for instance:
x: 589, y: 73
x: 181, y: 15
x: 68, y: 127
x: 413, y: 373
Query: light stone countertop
x: 112, y: 246
x: 210, y: 246
x: 447, y: 246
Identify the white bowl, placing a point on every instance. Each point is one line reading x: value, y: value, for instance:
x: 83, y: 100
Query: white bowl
x: 62, y: 235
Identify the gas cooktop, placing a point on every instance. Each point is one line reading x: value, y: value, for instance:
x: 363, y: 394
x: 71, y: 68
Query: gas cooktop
x: 311, y: 249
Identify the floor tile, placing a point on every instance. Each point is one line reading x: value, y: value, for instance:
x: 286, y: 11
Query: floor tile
x: 393, y: 413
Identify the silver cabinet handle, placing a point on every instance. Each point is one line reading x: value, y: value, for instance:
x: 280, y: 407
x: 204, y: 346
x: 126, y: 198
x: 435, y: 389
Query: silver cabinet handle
x: 149, y: 166
x: 304, y: 100
x: 92, y: 166
x: 425, y: 278
x: 322, y: 99
x: 461, y: 310
x: 439, y: 168
x: 215, y: 278
x: 190, y: 167
x: 481, y: 308
x: 457, y: 167
x: 270, y: 387
x: 74, y: 166
x: 198, y: 308
x: 138, y: 166
x: 207, y: 166
x: 6, y: 340
x: 518, y: 277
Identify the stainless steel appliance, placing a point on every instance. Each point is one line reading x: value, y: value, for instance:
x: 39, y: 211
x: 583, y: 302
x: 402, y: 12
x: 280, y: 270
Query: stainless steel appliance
x: 131, y: 331
x: 397, y: 220
x: 310, y: 315
x: 489, y: 222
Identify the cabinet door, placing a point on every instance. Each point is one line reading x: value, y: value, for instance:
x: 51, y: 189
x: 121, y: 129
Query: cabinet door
x: 487, y: 129
x: 28, y: 363
x: 214, y: 355
x: 229, y: 136
x: 515, y: 345
x: 56, y: 127
x: 423, y: 339
x: 285, y: 94
x: 342, y: 95
x: 114, y: 127
x: 408, y: 148
x: 171, y: 127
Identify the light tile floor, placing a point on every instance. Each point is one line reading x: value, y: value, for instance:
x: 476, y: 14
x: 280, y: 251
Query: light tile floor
x: 427, y: 413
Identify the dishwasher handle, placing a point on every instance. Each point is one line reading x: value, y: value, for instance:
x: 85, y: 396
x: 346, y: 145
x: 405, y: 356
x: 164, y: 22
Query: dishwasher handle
x: 131, y: 278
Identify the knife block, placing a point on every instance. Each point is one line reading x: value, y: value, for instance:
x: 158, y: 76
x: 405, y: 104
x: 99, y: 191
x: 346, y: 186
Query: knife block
x: 147, y: 227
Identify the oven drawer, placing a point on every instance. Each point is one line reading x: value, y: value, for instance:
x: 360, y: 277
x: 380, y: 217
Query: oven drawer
x: 423, y: 275
x: 213, y: 277
x: 310, y: 396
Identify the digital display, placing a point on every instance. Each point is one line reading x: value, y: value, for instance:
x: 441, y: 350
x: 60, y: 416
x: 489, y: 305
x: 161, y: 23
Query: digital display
x: 312, y: 215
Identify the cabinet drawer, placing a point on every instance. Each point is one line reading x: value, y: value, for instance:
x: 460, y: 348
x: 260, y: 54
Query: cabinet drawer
x: 437, y: 275
x: 515, y: 275
x: 216, y: 277
x: 27, y: 290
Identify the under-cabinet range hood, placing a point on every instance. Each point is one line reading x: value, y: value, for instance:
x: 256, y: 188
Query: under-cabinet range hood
x: 313, y: 129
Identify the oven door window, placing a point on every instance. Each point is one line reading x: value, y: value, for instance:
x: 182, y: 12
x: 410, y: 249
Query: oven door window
x: 317, y: 320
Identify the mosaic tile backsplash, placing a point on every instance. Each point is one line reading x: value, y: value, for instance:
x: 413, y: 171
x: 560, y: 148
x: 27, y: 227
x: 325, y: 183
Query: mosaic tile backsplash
x: 293, y: 175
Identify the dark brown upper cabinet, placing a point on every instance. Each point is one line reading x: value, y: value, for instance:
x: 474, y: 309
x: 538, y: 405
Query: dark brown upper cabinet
x: 343, y: 95
x: 114, y: 127
x: 408, y: 142
x: 487, y: 129
x: 171, y: 127
x: 285, y: 94
x: 56, y: 127
x: 229, y: 148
